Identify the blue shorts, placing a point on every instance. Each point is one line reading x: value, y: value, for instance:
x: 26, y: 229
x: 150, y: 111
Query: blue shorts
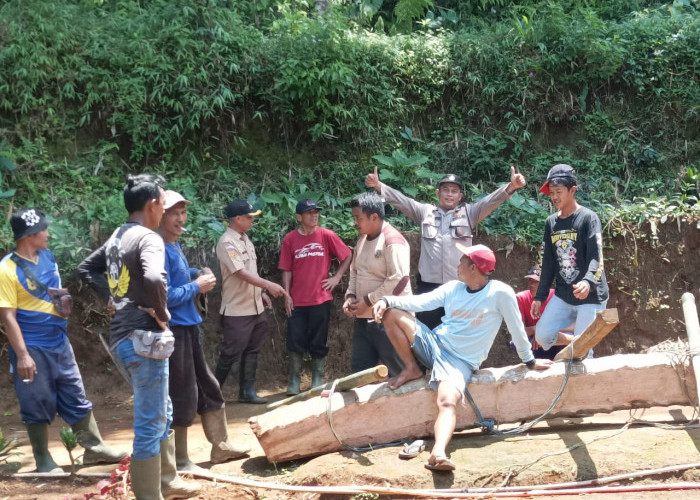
x: 57, y: 386
x: 446, y: 366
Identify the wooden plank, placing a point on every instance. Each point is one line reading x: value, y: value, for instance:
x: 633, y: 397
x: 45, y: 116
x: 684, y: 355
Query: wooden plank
x: 368, y: 376
x: 603, y: 324
x: 374, y: 414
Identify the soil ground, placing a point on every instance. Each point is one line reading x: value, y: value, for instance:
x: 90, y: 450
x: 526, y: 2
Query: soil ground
x: 647, y: 277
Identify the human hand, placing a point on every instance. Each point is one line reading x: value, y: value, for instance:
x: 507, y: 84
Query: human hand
x: 535, y: 344
x: 517, y: 180
x: 205, y: 270
x: 535, y: 309
x: 581, y: 289
x: 350, y: 306
x: 372, y: 180
x: 111, y: 308
x: 378, y: 310
x: 289, y: 305
x: 331, y: 282
x: 267, y: 301
x: 152, y: 312
x: 542, y: 364
x: 26, y: 368
x: 205, y: 282
x: 276, y: 290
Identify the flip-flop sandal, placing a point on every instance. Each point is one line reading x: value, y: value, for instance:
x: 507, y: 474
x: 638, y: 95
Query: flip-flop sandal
x: 441, y: 464
x: 412, y: 450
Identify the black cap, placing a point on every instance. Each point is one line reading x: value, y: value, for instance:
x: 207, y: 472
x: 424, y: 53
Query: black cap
x: 27, y: 222
x: 559, y: 171
x: 306, y: 205
x: 240, y: 207
x: 452, y: 179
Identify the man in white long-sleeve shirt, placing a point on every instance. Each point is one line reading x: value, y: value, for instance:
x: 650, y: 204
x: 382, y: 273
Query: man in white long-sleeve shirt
x: 474, y: 309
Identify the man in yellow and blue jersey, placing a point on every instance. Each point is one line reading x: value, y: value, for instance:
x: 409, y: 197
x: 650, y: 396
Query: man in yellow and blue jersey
x: 46, y: 376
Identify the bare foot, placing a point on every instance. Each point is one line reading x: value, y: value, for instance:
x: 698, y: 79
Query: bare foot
x: 407, y: 374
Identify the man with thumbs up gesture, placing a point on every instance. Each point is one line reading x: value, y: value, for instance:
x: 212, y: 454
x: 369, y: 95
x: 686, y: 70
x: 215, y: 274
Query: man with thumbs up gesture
x: 443, y: 226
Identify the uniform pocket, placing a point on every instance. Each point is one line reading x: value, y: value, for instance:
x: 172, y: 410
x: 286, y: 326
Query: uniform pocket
x: 460, y: 229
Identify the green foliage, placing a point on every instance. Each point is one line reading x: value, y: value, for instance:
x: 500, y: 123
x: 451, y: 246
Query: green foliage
x: 270, y: 101
x: 6, y: 448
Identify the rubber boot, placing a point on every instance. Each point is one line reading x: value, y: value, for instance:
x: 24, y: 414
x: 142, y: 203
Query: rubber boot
x: 145, y: 478
x: 182, y: 458
x: 39, y: 439
x: 96, y: 452
x: 247, y: 387
x: 171, y: 485
x: 215, y: 429
x: 294, y: 364
x: 318, y: 365
x: 223, y: 367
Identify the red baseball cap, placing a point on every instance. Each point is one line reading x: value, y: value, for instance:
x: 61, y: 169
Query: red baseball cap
x: 534, y: 273
x: 481, y: 255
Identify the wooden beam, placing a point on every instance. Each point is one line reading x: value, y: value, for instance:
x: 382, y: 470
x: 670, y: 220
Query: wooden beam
x: 603, y: 324
x: 374, y: 414
x: 368, y: 376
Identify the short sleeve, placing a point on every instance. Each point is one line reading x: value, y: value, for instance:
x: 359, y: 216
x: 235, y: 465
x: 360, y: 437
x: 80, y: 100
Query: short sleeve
x: 8, y: 285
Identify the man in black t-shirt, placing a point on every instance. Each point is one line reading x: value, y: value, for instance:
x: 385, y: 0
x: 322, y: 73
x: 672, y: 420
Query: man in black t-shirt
x: 573, y: 254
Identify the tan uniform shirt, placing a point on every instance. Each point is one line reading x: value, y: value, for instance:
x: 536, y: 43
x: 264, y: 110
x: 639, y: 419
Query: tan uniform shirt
x: 441, y: 230
x: 380, y: 267
x: 235, y: 251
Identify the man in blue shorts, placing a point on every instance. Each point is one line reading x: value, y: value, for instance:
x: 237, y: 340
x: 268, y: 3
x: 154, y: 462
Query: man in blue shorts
x: 46, y: 377
x: 474, y: 310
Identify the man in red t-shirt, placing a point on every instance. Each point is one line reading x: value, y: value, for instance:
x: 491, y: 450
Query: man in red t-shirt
x: 525, y: 299
x: 305, y: 260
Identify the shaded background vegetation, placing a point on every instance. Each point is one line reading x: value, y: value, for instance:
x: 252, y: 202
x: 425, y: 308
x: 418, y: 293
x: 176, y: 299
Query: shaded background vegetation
x: 275, y: 100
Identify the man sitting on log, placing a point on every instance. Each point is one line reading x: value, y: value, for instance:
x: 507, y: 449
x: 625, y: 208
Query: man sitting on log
x: 474, y: 306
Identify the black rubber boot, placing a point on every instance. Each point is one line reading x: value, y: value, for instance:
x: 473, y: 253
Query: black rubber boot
x: 247, y: 388
x: 223, y: 368
x: 294, y: 362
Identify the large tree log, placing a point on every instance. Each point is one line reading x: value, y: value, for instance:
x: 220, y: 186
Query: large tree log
x: 374, y: 414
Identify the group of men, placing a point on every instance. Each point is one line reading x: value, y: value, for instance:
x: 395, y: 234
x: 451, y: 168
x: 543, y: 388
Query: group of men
x: 142, y: 272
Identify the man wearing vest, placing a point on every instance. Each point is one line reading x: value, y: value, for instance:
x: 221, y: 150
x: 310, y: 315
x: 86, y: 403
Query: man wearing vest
x: 442, y: 227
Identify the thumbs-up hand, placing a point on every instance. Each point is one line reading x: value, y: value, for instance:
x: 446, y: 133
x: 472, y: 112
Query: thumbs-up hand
x: 517, y: 180
x: 372, y: 181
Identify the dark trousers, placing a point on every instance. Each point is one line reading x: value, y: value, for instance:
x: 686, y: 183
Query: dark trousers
x: 193, y: 387
x: 243, y: 335
x: 433, y: 318
x: 307, y: 330
x: 370, y: 345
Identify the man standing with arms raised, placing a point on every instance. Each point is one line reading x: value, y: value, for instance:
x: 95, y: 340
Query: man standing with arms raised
x: 443, y: 226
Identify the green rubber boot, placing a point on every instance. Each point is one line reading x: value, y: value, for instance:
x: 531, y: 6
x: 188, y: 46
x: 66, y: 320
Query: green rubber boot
x: 39, y: 439
x: 182, y: 458
x: 318, y: 365
x: 145, y: 478
x: 171, y: 485
x: 96, y: 452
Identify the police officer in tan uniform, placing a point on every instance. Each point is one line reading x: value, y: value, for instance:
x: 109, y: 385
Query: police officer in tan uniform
x: 443, y: 226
